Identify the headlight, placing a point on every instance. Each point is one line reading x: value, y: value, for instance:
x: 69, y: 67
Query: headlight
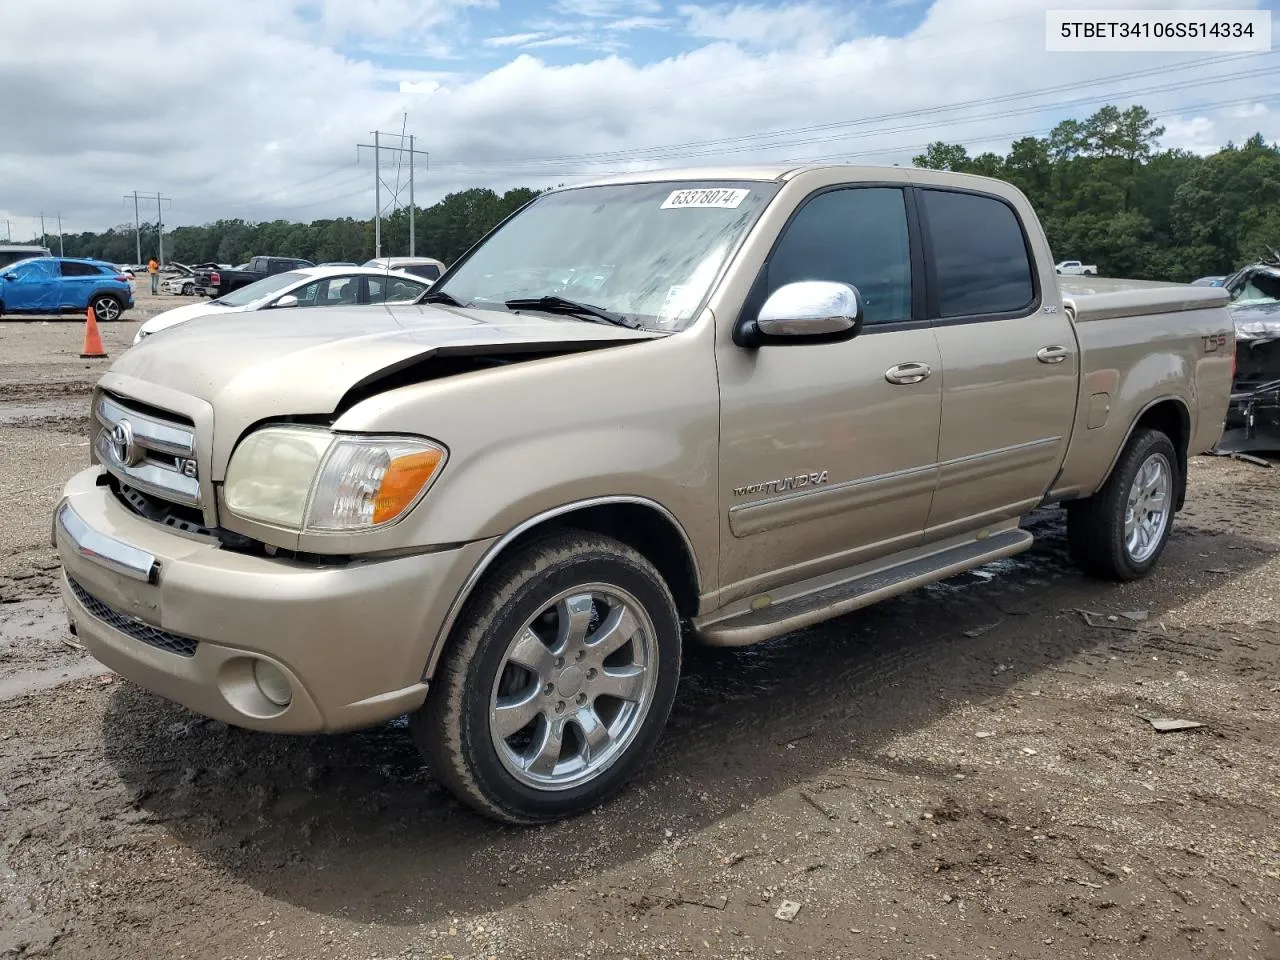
x: 310, y: 480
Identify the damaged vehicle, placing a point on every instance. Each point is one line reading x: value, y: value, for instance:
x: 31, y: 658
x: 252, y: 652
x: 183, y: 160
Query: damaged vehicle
x: 711, y: 405
x: 1253, y: 417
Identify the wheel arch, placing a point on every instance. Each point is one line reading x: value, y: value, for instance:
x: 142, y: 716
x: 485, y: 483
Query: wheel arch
x: 641, y: 523
x: 1172, y: 417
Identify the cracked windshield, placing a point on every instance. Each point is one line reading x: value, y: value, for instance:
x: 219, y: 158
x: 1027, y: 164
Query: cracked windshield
x: 648, y: 252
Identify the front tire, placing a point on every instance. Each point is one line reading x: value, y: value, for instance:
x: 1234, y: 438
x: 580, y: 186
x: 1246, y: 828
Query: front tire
x: 106, y: 308
x: 188, y: 289
x: 557, y: 683
x: 1120, y: 532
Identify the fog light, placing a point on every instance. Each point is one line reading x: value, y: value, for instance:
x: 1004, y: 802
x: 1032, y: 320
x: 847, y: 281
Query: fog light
x: 272, y: 682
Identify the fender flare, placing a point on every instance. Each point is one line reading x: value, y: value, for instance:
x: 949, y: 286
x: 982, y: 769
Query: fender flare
x: 1133, y: 425
x: 500, y: 545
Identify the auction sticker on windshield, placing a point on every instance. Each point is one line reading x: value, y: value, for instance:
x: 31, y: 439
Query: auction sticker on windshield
x: 720, y: 198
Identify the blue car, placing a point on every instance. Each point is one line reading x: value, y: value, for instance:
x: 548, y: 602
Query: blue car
x: 45, y: 285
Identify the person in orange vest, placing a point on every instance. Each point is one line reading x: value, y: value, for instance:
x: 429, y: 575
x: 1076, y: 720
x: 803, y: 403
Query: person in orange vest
x: 153, y: 268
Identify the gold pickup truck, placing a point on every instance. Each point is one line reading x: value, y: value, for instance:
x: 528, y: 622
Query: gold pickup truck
x: 715, y: 405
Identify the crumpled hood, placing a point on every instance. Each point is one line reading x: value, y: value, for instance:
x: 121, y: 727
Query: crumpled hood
x: 1260, y: 321
x: 252, y: 366
x: 308, y: 359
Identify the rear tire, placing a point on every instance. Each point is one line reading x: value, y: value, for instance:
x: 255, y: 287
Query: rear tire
x: 557, y: 681
x: 107, y: 308
x: 1119, y: 533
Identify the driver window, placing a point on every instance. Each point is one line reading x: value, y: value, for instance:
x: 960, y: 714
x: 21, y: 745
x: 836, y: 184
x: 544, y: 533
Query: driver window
x: 855, y: 235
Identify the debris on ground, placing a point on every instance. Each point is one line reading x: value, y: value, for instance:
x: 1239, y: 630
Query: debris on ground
x: 788, y: 910
x: 1169, y: 725
x: 979, y: 631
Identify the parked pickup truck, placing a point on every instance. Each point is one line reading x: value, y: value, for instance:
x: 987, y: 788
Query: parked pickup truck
x: 722, y: 405
x: 213, y: 282
x: 1074, y: 268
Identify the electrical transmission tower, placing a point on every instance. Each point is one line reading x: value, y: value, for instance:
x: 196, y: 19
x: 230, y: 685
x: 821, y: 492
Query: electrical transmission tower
x: 137, y: 221
x: 397, y: 156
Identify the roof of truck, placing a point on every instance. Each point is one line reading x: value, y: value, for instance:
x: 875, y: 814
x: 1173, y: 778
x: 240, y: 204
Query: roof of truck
x: 779, y: 172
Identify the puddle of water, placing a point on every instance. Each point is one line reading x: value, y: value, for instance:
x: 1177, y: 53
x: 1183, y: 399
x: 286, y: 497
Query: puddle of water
x: 13, y: 411
x: 20, y: 683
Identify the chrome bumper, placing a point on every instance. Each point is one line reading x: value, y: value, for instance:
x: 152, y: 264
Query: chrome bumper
x: 123, y: 558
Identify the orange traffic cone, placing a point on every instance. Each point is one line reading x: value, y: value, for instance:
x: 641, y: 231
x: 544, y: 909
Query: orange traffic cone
x: 92, y: 342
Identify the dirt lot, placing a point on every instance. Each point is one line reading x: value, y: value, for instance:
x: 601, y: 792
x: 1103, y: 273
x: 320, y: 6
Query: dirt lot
x: 967, y: 772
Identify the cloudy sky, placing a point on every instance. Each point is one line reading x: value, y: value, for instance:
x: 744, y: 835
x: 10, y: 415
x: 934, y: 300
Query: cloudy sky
x: 253, y: 108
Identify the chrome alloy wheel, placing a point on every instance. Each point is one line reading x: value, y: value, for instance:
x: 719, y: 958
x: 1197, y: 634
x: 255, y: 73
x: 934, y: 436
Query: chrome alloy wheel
x: 106, y: 309
x: 1147, y: 509
x: 574, y: 687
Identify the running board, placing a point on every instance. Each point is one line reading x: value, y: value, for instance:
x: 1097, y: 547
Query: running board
x: 849, y: 595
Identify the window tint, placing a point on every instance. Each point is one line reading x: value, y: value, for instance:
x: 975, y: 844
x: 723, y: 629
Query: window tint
x: 979, y: 256
x: 428, y: 271
x: 331, y: 292
x: 72, y: 269
x: 856, y: 236
x: 398, y: 290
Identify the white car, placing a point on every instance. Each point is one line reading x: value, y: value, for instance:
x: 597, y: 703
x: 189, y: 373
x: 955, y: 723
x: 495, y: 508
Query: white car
x: 308, y: 287
x: 180, y: 284
x: 425, y: 267
x: 1074, y: 268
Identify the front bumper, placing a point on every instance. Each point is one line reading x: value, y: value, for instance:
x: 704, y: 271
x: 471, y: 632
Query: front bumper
x: 187, y: 619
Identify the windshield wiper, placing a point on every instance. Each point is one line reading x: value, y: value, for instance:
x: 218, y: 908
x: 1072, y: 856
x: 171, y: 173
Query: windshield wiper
x: 439, y: 296
x: 563, y: 305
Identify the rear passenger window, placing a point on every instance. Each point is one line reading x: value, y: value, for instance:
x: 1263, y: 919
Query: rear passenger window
x: 72, y: 269
x: 980, y: 259
x: 856, y: 236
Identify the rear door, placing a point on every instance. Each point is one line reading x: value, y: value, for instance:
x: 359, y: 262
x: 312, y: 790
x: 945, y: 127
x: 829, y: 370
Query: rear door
x: 1010, y: 355
x: 77, y: 283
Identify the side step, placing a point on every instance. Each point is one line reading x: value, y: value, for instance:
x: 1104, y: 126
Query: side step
x: 849, y: 595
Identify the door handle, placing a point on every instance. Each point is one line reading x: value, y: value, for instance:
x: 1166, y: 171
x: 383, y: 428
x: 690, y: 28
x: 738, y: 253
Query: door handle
x: 1054, y: 354
x: 904, y: 373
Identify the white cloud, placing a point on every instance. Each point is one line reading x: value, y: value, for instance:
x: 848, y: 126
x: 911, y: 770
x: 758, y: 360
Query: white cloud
x: 513, y: 39
x: 815, y: 24
x: 569, y: 40
x: 262, y: 122
x: 608, y: 9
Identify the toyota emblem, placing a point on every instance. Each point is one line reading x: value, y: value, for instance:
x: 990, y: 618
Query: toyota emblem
x: 122, y: 445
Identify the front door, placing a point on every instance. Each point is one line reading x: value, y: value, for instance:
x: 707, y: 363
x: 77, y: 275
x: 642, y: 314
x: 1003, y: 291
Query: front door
x: 1009, y: 399
x: 34, y: 286
x: 824, y: 462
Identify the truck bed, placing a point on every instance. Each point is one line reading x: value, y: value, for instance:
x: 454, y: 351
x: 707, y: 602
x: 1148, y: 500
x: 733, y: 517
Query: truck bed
x: 1102, y: 298
x: 1142, y: 341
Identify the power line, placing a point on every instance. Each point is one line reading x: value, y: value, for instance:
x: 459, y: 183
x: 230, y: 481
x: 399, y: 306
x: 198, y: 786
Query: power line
x: 663, y: 151
x: 379, y: 183
x: 159, y: 199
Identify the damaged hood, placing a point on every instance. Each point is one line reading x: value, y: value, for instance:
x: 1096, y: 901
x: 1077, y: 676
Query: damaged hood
x: 303, y: 361
x: 227, y: 373
x: 1256, y: 321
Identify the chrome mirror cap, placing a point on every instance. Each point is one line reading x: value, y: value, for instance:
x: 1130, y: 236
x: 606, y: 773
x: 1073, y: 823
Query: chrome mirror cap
x: 811, y: 308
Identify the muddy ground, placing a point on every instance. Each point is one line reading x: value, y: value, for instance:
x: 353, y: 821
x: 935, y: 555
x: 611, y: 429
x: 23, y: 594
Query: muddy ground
x: 967, y: 772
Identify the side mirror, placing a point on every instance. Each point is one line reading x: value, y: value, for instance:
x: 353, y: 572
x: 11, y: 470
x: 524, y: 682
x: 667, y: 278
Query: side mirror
x: 810, y: 311
x: 11, y: 276
x: 288, y: 300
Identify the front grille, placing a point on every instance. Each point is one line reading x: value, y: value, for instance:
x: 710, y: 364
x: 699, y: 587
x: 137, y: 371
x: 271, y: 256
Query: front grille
x: 132, y: 626
x: 147, y: 449
x: 186, y: 519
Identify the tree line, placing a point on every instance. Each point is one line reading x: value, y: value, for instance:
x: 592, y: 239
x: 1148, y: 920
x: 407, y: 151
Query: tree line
x: 1106, y: 194
x: 443, y: 230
